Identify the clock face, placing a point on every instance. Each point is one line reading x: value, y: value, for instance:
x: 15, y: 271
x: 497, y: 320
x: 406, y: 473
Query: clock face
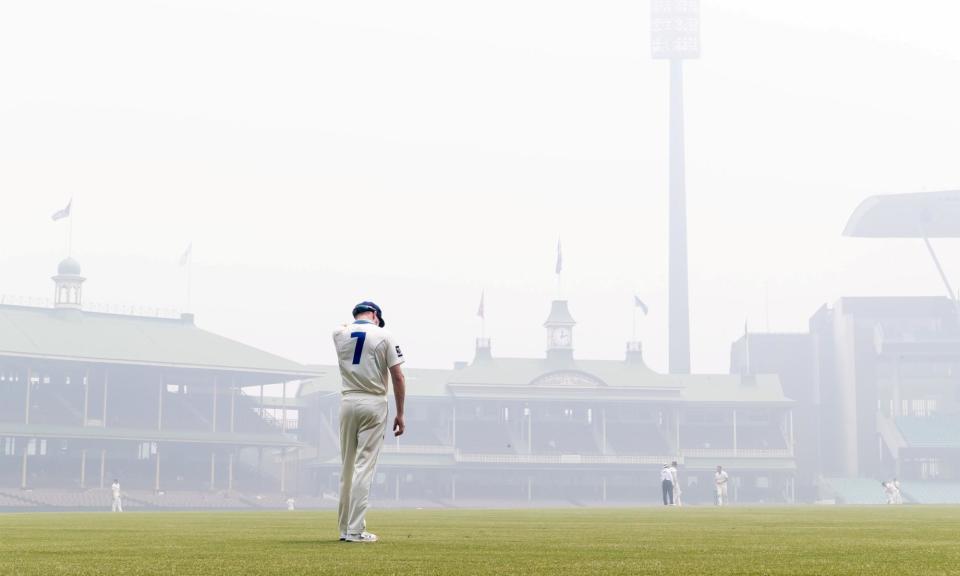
x: 561, y: 337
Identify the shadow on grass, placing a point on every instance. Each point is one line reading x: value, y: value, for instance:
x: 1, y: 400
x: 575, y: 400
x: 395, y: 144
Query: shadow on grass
x: 324, y: 542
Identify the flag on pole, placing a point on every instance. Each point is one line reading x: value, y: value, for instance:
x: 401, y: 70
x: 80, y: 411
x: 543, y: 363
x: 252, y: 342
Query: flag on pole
x: 63, y: 213
x: 559, y: 259
x: 185, y: 257
x: 480, y: 310
x: 639, y: 304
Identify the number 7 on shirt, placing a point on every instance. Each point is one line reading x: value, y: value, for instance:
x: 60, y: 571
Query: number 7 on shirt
x: 360, y: 336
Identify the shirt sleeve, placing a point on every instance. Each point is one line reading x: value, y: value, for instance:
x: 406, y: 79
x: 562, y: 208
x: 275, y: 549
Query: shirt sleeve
x: 394, y: 354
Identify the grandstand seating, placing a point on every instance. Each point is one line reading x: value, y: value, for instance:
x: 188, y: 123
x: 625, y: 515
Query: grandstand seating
x: 482, y: 437
x: 192, y: 500
x: 96, y: 498
x: 56, y: 404
x: 760, y: 437
x: 181, y: 412
x: 715, y: 436
x: 640, y: 438
x: 248, y: 419
x: 100, y: 499
x: 421, y: 434
x: 9, y: 501
x: 559, y: 437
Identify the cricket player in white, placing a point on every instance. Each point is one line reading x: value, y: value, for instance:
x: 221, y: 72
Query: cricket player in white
x: 367, y: 354
x: 721, y: 479
x: 117, y: 504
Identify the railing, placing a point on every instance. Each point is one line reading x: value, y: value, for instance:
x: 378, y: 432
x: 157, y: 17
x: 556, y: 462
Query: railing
x: 737, y: 453
x: 474, y: 457
x: 416, y: 449
x: 560, y: 459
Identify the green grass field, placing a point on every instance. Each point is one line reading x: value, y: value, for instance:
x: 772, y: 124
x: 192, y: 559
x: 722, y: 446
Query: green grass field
x: 881, y: 540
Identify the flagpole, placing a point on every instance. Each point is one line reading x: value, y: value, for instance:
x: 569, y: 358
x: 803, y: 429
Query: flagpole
x: 190, y: 281
x: 559, y: 271
x: 482, y: 312
x: 70, y: 239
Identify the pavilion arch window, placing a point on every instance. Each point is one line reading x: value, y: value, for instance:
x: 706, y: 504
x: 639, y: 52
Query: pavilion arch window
x: 9, y: 446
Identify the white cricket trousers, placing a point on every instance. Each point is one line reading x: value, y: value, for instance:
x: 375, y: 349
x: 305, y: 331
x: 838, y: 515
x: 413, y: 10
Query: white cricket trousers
x: 117, y: 506
x: 721, y: 494
x: 363, y: 421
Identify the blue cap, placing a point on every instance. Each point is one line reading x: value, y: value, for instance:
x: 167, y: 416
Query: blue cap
x: 367, y: 306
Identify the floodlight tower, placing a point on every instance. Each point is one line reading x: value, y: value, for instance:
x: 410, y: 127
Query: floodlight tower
x: 675, y: 36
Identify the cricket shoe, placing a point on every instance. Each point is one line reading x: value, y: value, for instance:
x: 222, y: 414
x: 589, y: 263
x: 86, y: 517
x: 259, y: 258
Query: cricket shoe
x: 361, y: 537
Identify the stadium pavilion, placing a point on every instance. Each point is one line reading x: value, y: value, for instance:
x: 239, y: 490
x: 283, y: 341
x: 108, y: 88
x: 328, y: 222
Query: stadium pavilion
x: 876, y: 380
x: 158, y: 403
x: 560, y: 429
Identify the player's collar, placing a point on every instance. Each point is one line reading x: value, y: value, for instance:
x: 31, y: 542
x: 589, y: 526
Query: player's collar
x: 362, y: 322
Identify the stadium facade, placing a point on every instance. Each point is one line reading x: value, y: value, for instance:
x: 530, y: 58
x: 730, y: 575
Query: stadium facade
x: 86, y: 397
x: 870, y: 391
x: 877, y: 388
x: 561, y: 429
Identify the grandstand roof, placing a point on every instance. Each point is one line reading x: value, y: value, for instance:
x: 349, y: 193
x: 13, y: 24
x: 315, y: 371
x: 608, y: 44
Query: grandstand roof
x: 581, y: 378
x: 534, y: 374
x: 74, y: 335
x: 916, y: 215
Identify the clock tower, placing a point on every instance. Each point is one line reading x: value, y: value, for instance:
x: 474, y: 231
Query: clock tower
x: 559, y: 327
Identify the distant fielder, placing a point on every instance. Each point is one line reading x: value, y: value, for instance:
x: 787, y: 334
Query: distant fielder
x: 367, y: 353
x: 721, y: 479
x: 115, y: 490
x: 666, y: 485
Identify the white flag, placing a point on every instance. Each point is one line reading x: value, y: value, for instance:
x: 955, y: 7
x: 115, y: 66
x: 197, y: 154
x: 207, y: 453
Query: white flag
x: 63, y: 213
x: 637, y: 302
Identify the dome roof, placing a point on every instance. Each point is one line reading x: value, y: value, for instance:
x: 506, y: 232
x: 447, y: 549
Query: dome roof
x: 69, y: 267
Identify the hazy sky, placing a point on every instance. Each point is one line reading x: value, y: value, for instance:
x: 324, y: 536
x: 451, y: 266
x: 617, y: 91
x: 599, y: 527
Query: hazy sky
x: 414, y: 153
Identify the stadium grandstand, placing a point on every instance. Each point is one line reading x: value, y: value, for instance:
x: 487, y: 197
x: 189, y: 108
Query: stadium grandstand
x: 561, y: 430
x: 876, y: 379
x: 176, y: 413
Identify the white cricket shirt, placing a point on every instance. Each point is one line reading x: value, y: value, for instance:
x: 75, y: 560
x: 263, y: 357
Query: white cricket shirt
x: 720, y: 477
x: 366, y: 353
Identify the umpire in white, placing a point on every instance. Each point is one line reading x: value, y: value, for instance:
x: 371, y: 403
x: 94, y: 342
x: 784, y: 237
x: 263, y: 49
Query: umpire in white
x: 367, y: 353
